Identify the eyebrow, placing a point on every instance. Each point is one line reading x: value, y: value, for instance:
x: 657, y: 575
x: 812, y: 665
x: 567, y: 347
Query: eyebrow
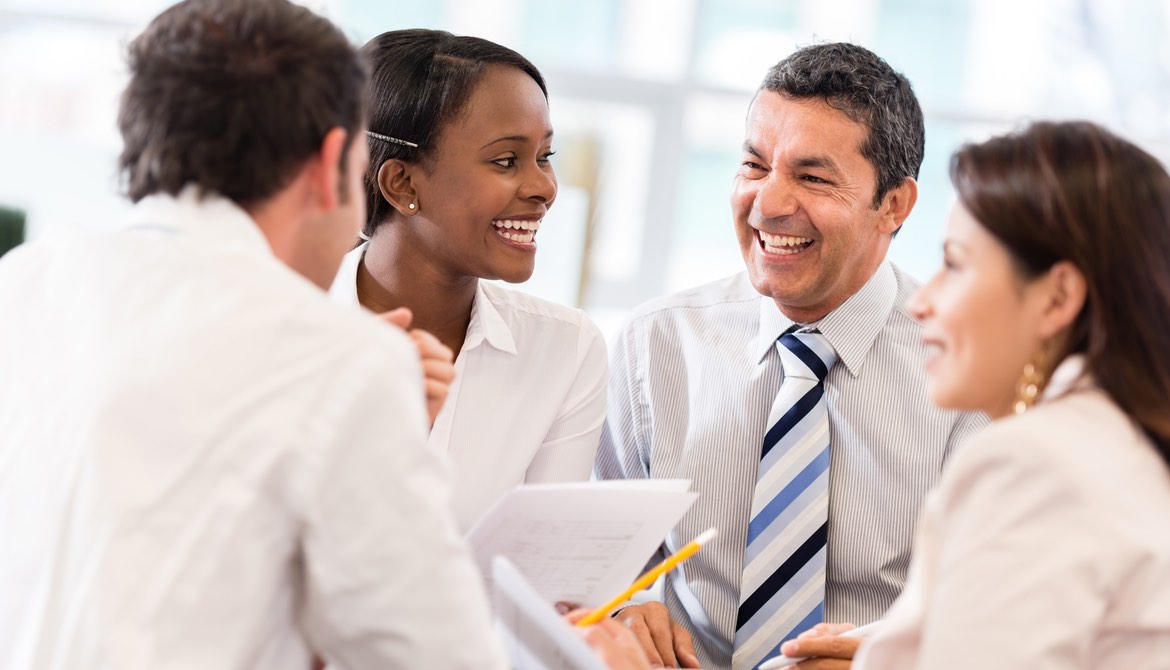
x: 822, y: 162
x: 818, y: 161
x: 752, y: 150
x: 514, y: 138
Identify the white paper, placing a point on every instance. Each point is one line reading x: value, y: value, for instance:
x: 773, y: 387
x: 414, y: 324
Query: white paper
x: 580, y: 543
x: 535, y: 636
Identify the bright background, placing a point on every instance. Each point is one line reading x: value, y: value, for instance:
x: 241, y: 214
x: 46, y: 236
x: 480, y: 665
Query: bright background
x: 648, y: 99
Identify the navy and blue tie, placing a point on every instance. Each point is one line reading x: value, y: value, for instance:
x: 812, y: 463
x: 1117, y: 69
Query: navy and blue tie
x: 783, y: 588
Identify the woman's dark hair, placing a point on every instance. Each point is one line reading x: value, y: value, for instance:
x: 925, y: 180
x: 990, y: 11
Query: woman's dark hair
x: 234, y: 96
x: 1075, y: 192
x: 421, y: 81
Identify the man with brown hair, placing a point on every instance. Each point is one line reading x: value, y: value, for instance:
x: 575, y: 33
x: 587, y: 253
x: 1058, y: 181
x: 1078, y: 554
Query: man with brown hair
x: 215, y: 466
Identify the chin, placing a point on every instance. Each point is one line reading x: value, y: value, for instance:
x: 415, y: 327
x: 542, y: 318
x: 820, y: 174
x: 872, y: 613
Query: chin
x: 937, y: 397
x: 516, y: 277
x: 952, y: 398
x: 765, y: 284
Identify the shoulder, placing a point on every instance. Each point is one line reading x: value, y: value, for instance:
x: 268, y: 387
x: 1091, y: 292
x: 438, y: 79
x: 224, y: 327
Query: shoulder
x: 265, y: 300
x: 1072, y: 467
x: 545, y: 330
x: 1081, y: 442
x: 725, y: 298
x: 901, y: 320
x: 735, y: 289
x: 522, y: 308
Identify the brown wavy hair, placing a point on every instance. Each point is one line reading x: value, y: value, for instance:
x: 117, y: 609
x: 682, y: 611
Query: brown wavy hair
x: 1074, y: 191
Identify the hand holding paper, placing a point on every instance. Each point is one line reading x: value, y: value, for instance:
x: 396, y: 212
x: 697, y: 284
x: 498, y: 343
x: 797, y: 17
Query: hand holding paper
x: 535, y: 637
x: 651, y: 576
x: 580, y: 542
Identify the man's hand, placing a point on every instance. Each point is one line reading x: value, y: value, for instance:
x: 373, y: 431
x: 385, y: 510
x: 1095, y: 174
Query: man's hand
x: 438, y: 362
x: 824, y: 649
x: 666, y: 643
x: 613, y: 643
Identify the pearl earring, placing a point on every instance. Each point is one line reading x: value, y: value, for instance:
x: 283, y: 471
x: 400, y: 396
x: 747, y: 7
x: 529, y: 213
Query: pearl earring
x: 411, y: 205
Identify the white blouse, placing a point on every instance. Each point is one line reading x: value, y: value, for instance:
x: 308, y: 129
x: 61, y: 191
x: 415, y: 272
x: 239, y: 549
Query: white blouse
x: 1046, y: 546
x: 528, y: 401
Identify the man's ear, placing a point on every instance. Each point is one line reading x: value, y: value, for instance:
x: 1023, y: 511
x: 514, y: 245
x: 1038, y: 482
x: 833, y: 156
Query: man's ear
x: 394, y: 181
x: 897, y: 205
x: 1064, y: 296
x: 327, y: 170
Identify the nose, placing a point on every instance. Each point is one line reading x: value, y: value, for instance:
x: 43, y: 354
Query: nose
x: 776, y: 198
x: 540, y: 184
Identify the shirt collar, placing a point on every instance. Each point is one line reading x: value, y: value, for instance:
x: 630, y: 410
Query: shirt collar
x: 1069, y: 376
x: 344, y: 287
x: 206, y: 217
x: 487, y: 325
x: 851, y: 329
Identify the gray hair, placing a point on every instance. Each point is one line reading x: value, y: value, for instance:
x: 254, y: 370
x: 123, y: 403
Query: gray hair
x: 857, y: 82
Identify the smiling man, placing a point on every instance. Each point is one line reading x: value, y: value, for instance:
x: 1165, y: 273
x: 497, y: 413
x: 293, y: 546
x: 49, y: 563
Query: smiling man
x: 793, y: 394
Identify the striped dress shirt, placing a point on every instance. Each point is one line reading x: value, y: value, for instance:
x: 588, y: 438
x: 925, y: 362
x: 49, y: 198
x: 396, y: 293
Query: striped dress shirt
x: 692, y: 377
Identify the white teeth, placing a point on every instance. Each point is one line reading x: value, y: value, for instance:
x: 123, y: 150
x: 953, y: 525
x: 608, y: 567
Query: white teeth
x: 783, y: 240
x: 509, y: 224
x: 523, y: 238
x: 783, y: 244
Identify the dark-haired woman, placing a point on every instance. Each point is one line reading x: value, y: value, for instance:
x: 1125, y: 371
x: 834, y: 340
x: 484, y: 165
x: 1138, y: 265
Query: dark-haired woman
x: 459, y: 184
x: 1046, y: 545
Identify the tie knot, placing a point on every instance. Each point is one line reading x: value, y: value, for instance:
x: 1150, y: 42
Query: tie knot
x: 806, y: 355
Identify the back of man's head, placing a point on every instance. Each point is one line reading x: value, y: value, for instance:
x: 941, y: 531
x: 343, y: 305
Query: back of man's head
x: 865, y: 88
x: 234, y: 96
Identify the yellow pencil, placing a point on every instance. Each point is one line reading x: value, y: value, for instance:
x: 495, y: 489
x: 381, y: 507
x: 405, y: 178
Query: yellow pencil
x: 647, y: 579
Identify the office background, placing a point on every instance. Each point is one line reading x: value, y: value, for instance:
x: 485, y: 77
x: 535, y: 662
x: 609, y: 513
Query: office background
x: 648, y: 99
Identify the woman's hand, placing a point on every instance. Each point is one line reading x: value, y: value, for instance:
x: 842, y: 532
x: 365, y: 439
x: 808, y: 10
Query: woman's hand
x: 438, y: 362
x: 823, y: 647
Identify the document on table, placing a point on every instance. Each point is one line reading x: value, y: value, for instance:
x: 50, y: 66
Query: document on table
x: 580, y: 542
x: 535, y: 636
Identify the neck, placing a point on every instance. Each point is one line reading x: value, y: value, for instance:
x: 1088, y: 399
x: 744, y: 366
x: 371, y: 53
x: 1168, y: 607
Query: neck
x: 283, y: 220
x: 392, y: 276
x: 812, y: 313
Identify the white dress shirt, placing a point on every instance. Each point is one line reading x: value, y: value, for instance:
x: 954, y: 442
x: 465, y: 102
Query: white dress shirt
x: 693, y: 378
x: 204, y: 463
x: 528, y: 400
x: 1045, y: 547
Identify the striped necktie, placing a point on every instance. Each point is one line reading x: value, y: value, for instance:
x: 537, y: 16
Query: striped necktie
x: 783, y: 588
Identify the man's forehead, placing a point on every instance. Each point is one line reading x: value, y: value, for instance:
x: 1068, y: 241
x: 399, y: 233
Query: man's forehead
x: 809, y: 129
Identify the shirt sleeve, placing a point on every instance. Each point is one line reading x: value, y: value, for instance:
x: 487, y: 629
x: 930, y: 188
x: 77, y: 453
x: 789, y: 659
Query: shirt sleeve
x: 568, y: 451
x: 620, y: 455
x: 1024, y: 557
x: 388, y: 580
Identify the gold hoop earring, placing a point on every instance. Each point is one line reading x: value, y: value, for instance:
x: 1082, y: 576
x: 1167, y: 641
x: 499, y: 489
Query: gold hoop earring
x: 1032, y: 381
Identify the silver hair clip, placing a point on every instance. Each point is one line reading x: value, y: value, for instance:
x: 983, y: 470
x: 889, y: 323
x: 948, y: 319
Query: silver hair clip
x: 392, y: 140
